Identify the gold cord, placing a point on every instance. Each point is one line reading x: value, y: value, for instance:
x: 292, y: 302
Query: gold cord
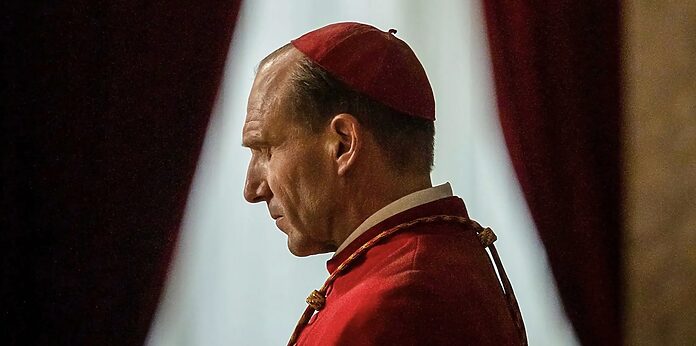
x: 317, y: 299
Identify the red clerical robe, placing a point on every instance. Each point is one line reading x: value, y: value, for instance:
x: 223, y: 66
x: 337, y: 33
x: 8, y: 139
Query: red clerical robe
x: 429, y: 284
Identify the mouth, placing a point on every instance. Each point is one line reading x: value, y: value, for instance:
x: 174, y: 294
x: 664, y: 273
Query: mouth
x: 278, y: 220
x: 277, y: 217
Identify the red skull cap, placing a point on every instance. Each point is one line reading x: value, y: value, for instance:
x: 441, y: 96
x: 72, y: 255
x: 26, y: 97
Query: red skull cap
x: 373, y: 62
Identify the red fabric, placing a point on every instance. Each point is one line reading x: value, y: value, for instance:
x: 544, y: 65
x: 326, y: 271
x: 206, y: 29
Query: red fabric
x: 373, y: 62
x: 431, y: 284
x: 108, y: 106
x: 556, y: 67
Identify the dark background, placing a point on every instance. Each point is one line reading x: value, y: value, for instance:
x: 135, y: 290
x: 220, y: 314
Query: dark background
x: 106, y: 105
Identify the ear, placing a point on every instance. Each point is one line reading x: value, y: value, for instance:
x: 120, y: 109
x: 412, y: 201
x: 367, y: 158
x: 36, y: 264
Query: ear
x: 348, y: 140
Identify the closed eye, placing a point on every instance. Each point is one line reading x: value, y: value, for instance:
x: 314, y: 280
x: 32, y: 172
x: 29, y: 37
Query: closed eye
x: 267, y: 151
x: 263, y: 151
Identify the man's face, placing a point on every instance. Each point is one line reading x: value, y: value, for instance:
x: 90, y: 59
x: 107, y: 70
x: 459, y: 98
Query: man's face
x: 290, y: 168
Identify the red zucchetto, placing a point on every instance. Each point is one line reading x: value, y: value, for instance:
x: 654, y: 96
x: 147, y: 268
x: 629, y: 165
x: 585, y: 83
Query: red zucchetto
x: 373, y: 62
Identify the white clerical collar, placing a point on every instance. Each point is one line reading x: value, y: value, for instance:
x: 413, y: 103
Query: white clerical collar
x: 402, y: 204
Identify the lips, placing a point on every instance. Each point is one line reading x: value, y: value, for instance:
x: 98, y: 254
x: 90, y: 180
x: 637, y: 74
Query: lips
x: 279, y: 224
x: 274, y: 212
x: 275, y: 215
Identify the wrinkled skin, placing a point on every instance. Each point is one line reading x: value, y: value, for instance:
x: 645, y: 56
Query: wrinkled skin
x: 291, y: 169
x: 318, y: 186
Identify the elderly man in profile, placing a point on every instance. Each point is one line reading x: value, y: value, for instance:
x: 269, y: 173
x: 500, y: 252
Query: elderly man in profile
x: 340, y: 123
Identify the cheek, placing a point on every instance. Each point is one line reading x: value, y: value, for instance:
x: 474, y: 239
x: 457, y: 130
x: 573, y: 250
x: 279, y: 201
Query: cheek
x: 317, y: 186
x: 286, y: 179
x: 300, y: 183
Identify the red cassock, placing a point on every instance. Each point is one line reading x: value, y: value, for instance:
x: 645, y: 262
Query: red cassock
x: 429, y: 284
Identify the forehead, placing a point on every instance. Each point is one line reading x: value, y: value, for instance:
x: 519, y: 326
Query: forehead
x: 267, y: 111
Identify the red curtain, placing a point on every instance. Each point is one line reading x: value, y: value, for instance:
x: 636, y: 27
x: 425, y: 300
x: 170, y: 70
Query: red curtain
x: 557, y: 79
x: 107, y: 104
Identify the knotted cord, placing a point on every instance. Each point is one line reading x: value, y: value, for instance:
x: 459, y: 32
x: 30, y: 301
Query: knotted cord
x: 317, y: 299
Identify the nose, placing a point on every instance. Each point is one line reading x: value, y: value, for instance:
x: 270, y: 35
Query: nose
x: 256, y: 187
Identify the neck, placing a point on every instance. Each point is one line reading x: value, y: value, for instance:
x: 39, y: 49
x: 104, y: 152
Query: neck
x: 366, y: 198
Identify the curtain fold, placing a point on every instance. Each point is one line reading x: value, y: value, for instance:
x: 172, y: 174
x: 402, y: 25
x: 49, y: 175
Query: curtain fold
x: 107, y: 108
x: 557, y: 78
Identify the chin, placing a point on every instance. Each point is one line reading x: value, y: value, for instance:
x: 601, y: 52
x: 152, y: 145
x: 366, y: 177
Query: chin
x: 300, y: 252
x: 303, y: 247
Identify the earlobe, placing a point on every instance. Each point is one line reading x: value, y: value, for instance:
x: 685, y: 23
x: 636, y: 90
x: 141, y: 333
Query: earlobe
x: 347, y: 132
